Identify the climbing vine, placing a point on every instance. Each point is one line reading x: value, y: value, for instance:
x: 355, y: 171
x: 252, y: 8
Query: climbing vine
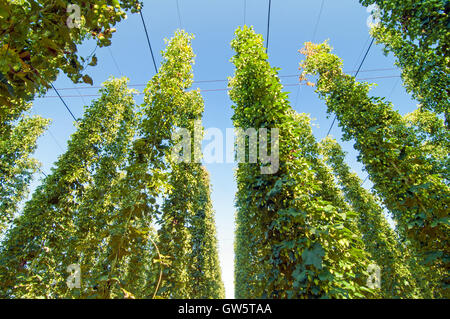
x: 379, y: 239
x: 137, y: 222
x: 17, y: 142
x: 303, y: 244
x: 38, y: 241
x: 417, y: 33
x: 409, y: 182
x: 36, y: 43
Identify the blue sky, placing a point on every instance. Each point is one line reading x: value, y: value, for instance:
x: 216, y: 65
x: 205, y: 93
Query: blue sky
x: 213, y: 23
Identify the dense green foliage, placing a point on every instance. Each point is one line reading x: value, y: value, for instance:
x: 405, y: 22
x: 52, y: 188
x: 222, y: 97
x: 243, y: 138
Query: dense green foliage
x: 205, y: 269
x: 379, y: 239
x: 36, y: 43
x: 292, y: 241
x: 133, y: 211
x: 18, y: 138
x: 417, y: 33
x: 188, y: 236
x: 434, y: 138
x: 409, y: 180
x: 30, y: 259
x: 98, y: 207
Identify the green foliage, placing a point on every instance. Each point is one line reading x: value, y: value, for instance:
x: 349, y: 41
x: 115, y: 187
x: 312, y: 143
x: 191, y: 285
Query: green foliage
x: 379, y: 239
x: 166, y: 106
x: 309, y: 230
x: 417, y: 33
x: 434, y: 138
x: 17, y: 142
x: 297, y: 243
x: 188, y: 236
x: 247, y: 266
x: 174, y: 237
x: 205, y: 266
x: 41, y: 237
x: 409, y: 182
x: 36, y: 43
x: 98, y: 207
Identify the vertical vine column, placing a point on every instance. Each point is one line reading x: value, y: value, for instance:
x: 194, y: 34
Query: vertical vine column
x: 31, y: 259
x: 379, y: 239
x: 299, y: 240
x: 407, y: 180
x: 17, y: 143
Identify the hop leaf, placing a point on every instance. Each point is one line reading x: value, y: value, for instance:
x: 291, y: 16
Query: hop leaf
x: 87, y: 79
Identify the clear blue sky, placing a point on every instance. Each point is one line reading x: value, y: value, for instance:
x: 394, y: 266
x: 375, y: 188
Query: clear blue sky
x: 213, y: 23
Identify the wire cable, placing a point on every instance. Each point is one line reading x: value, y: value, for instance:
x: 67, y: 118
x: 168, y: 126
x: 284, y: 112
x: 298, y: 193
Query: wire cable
x: 362, y: 51
x: 114, y: 61
x: 313, y: 39
x: 268, y: 26
x: 318, y: 20
x: 362, y: 62
x: 394, y: 87
x: 148, y: 40
x: 42, y: 172
x: 225, y: 80
x: 89, y: 57
x: 55, y: 140
x: 68, y: 109
x: 209, y: 90
x: 76, y: 89
x: 245, y: 9
x: 296, y: 96
x: 179, y: 15
x: 365, y: 179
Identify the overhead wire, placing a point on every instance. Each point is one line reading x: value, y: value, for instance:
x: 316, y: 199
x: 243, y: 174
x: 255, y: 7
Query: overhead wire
x: 313, y: 39
x: 179, y: 15
x: 245, y: 10
x: 55, y: 140
x: 365, y: 179
x: 42, y: 172
x: 362, y: 52
x: 148, y: 41
x: 211, y: 90
x: 359, y: 68
x: 114, y: 61
x: 317, y: 22
x: 225, y: 80
x: 68, y: 109
x: 268, y: 26
x: 394, y: 87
